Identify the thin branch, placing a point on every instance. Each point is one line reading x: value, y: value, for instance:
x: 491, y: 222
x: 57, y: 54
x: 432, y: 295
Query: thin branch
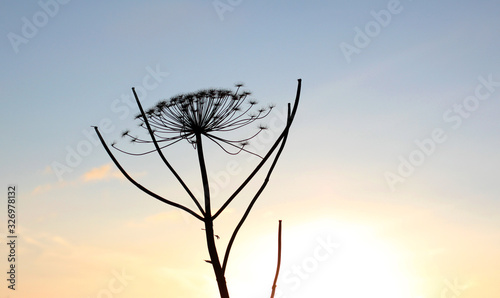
x: 261, y: 189
x: 154, y: 195
x: 158, y: 149
x: 215, y: 139
x: 284, y: 135
x: 279, y: 261
x: 266, y: 157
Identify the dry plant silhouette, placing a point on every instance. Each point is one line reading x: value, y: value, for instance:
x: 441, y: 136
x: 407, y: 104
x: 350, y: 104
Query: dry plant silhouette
x: 196, y: 117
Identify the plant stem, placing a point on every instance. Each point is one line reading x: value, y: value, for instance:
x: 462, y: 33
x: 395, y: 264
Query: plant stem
x: 154, y: 195
x: 279, y: 261
x: 157, y: 147
x: 209, y: 229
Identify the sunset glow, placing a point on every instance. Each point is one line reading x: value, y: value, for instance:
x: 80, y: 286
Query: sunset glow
x: 386, y: 187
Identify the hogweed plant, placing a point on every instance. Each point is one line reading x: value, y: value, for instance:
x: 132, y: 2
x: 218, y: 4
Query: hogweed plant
x: 200, y: 116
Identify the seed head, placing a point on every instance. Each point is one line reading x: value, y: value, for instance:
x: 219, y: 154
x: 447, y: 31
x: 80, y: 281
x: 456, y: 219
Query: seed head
x: 208, y: 113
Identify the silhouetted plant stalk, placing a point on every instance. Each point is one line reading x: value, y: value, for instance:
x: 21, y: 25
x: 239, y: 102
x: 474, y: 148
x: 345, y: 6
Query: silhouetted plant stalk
x: 206, y: 114
x: 279, y: 262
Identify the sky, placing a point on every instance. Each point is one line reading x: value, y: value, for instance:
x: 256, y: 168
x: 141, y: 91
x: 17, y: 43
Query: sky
x: 387, y: 186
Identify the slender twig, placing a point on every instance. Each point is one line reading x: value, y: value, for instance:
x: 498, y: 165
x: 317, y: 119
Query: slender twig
x: 284, y: 135
x: 261, y: 189
x: 154, y: 195
x: 158, y: 149
x: 266, y: 157
x: 279, y: 261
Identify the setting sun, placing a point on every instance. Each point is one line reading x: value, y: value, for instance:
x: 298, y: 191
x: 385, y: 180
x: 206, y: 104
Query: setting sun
x: 324, y: 258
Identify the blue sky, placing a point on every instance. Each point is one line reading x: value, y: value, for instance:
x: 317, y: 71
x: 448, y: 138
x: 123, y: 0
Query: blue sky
x: 361, y: 117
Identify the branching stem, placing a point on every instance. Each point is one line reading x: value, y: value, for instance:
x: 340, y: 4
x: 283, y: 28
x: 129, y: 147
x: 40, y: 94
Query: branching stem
x: 158, y: 149
x: 129, y: 178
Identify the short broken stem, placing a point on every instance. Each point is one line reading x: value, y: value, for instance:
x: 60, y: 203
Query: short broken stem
x: 279, y: 261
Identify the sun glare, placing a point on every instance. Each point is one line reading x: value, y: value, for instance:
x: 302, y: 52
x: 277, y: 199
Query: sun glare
x: 321, y: 259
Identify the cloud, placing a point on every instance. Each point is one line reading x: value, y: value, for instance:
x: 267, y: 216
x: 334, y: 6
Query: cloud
x: 48, y: 170
x: 43, y: 188
x: 46, y: 244
x: 104, y: 172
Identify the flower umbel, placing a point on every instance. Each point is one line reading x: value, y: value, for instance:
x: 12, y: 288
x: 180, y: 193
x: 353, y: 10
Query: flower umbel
x: 207, y: 112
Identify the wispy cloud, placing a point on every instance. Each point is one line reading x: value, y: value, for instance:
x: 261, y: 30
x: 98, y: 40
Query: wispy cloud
x: 43, y: 188
x: 104, y: 172
x: 48, y: 170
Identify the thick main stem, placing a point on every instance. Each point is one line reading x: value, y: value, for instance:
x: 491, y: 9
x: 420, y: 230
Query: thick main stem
x: 209, y: 228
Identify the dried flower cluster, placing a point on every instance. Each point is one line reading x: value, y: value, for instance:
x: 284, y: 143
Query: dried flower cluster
x: 206, y: 113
